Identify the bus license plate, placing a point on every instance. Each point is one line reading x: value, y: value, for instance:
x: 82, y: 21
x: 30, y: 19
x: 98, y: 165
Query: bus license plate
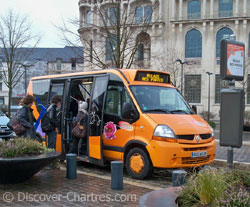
x: 199, y: 154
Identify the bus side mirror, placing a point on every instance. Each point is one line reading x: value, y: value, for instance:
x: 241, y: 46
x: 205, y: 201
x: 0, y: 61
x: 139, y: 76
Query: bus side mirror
x: 194, y: 107
x: 128, y: 111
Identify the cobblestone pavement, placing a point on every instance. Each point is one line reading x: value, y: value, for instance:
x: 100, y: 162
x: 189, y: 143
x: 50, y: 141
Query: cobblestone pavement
x: 52, y: 188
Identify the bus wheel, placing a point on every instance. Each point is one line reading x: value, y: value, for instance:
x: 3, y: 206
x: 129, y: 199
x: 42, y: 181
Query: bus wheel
x: 138, y: 164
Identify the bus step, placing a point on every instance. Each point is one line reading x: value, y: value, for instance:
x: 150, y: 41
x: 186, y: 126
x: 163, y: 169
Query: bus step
x: 83, y: 158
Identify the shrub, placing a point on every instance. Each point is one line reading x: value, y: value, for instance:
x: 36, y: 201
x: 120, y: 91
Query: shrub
x: 215, y: 188
x: 205, y: 113
x: 203, y: 189
x: 212, y: 124
x: 21, y: 147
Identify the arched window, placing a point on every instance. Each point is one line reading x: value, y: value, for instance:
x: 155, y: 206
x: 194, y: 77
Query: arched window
x: 88, y: 17
x: 144, y: 46
x: 219, y: 37
x: 193, y: 44
x: 225, y: 8
x: 194, y: 9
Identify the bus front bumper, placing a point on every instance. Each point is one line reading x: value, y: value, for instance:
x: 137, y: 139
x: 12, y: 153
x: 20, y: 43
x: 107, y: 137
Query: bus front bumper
x: 175, y: 155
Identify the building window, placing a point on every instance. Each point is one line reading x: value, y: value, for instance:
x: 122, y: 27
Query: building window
x: 143, y: 14
x: 193, y: 88
x: 88, y: 18
x: 144, y: 46
x: 1, y: 101
x: 1, y: 86
x: 111, y: 16
x: 111, y: 46
x: 217, y: 88
x: 219, y: 37
x: 193, y: 44
x: 58, y: 63
x: 194, y: 9
x: 140, y: 52
x: 73, y: 64
x: 91, y: 51
x: 225, y: 8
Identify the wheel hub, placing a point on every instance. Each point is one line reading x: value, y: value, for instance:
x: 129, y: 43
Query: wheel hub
x: 136, y: 163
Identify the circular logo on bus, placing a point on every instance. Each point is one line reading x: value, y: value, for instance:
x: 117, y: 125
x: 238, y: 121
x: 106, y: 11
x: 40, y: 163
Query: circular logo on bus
x: 197, y: 138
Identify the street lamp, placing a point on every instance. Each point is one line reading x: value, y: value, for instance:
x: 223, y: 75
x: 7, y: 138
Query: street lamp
x: 182, y: 63
x: 208, y: 104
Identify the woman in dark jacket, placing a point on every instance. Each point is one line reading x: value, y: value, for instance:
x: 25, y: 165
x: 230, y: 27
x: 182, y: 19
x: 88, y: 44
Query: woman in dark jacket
x: 26, y: 118
x: 83, y: 116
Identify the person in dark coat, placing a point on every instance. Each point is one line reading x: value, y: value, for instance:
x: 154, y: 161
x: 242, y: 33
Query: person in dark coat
x: 54, y: 120
x: 26, y: 118
x: 83, y: 115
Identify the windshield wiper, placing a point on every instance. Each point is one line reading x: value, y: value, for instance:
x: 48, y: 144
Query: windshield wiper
x: 176, y: 111
x: 159, y: 110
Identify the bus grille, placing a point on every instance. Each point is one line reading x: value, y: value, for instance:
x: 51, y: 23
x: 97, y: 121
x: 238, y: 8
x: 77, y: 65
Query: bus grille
x: 191, y: 136
x: 205, y: 136
x: 195, y: 160
x: 196, y: 149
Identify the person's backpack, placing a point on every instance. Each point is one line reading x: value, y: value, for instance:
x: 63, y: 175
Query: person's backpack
x: 46, y: 125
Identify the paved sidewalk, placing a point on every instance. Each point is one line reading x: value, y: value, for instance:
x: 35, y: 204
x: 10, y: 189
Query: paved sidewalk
x: 240, y: 154
x: 51, y: 188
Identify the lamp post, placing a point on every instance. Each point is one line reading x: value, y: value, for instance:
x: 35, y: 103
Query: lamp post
x: 182, y: 63
x: 208, y: 104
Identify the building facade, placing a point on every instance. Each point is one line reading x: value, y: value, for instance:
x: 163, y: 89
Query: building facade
x: 42, y: 61
x: 189, y: 30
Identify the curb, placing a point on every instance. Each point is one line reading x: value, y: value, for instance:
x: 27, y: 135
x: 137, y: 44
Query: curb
x: 236, y: 164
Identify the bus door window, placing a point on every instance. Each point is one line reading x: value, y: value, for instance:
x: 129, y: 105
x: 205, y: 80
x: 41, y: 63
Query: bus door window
x: 96, y: 107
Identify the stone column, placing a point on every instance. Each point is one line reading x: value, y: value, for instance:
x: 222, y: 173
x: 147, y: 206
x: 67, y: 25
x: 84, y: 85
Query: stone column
x: 173, y: 9
x: 180, y: 9
x: 211, y: 8
x: 236, y: 8
x: 204, y: 9
x: 245, y: 7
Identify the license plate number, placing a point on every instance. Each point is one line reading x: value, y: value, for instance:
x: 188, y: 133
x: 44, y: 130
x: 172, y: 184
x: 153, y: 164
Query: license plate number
x: 199, y: 154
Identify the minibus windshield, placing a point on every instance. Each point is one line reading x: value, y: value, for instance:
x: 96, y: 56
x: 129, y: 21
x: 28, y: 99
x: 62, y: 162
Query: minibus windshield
x: 155, y: 99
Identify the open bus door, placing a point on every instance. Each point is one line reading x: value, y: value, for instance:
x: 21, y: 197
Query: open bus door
x: 59, y: 87
x: 95, y: 143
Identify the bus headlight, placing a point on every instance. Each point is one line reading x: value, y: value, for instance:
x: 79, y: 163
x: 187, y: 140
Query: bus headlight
x: 212, y: 131
x: 164, y: 131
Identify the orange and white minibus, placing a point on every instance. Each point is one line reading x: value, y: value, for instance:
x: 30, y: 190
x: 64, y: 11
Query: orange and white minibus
x: 135, y: 116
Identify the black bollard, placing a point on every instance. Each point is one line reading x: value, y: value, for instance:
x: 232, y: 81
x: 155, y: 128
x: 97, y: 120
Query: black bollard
x: 178, y: 177
x: 116, y: 175
x: 71, y: 166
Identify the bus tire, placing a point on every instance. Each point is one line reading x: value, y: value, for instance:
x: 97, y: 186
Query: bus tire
x: 138, y: 164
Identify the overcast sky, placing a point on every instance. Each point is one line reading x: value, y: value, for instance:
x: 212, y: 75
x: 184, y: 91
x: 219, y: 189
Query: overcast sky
x: 43, y: 14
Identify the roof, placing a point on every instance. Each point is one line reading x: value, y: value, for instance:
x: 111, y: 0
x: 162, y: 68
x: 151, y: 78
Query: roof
x: 50, y: 54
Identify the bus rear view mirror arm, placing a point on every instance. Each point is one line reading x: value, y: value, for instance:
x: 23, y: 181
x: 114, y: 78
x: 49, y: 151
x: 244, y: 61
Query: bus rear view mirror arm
x: 194, y: 107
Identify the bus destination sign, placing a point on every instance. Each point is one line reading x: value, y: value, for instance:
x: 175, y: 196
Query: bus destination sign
x: 152, y: 77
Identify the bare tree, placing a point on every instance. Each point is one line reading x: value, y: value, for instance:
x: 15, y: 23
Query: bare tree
x: 169, y: 64
x: 112, y: 36
x: 17, y: 43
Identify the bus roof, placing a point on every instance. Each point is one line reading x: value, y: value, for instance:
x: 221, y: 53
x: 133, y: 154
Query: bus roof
x: 129, y: 74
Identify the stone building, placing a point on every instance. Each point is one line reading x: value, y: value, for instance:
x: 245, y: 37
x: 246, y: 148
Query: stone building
x: 42, y: 61
x: 189, y: 30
